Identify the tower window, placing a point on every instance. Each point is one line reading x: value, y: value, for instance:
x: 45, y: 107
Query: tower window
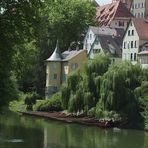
x: 55, y: 76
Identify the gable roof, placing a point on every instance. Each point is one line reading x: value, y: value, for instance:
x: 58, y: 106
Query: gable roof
x: 141, y: 26
x: 110, y: 45
x: 107, y: 13
x: 67, y: 55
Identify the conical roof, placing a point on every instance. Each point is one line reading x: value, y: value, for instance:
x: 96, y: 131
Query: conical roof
x: 56, y: 56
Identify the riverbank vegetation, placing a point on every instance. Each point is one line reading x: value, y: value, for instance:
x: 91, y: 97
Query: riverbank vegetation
x: 117, y: 92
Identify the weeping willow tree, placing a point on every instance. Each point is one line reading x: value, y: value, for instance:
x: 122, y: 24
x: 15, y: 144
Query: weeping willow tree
x: 141, y: 94
x: 82, y: 89
x: 117, y: 91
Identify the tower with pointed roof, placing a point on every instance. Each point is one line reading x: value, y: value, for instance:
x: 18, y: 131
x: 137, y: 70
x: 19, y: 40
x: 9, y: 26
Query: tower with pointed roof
x: 60, y: 65
x: 53, y: 72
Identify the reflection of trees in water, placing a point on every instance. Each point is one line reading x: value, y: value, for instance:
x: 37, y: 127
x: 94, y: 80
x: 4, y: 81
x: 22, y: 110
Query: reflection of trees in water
x: 37, y: 133
x: 14, y: 127
x: 76, y: 136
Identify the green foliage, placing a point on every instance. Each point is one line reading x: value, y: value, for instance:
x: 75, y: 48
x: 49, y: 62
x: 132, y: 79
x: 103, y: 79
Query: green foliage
x: 141, y: 94
x: 31, y: 99
x: 118, y: 92
x: 65, y: 95
x: 92, y: 112
x: 52, y: 104
x: 64, y: 15
x: 57, y: 20
x: 17, y: 23
x: 29, y: 29
x: 24, y: 66
x: 99, y: 65
x: 82, y: 89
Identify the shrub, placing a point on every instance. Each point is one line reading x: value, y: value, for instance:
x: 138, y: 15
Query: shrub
x: 52, y: 104
x: 30, y: 99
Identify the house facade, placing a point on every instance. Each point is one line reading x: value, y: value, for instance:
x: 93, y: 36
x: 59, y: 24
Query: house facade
x: 135, y: 35
x: 60, y: 65
x: 146, y: 8
x: 107, y: 44
x: 95, y: 31
x: 138, y: 8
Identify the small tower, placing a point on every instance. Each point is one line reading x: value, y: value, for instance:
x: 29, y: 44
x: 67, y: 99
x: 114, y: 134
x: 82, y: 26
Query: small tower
x: 53, y: 72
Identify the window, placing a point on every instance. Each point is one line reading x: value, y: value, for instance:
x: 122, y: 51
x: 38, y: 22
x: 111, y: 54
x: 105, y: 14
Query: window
x: 90, y: 36
x: 113, y: 61
x: 142, y: 16
x: 132, y: 44
x: 96, y: 51
x: 54, y: 65
x: 124, y: 45
x: 121, y: 23
x: 55, y: 76
x: 131, y: 56
x: 132, y: 32
x: 135, y: 6
x: 135, y: 56
x: 135, y: 44
x: 128, y: 45
x: 129, y: 33
x: 74, y: 66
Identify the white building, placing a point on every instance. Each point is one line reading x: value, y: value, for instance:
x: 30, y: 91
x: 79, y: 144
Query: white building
x: 107, y: 44
x: 138, y: 8
x: 135, y: 36
x: 94, y: 31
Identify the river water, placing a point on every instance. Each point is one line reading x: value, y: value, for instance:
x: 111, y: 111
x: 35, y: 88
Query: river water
x: 27, y: 132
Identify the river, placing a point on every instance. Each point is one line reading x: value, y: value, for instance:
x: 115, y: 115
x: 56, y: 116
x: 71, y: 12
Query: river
x: 28, y: 132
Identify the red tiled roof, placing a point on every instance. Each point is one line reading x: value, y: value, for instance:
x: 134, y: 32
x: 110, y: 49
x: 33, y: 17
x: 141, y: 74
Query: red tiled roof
x: 141, y: 26
x: 110, y: 11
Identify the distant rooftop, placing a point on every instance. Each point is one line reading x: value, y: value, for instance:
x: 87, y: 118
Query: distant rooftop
x: 106, y: 30
x: 141, y: 26
x: 106, y: 13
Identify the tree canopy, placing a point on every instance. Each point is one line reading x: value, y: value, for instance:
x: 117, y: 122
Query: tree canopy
x: 17, y: 21
x: 29, y: 29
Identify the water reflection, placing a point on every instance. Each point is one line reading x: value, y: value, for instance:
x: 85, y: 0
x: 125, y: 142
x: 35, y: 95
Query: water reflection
x: 26, y: 132
x: 77, y: 136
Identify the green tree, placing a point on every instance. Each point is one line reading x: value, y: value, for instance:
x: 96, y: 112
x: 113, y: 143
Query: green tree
x: 66, y: 20
x: 17, y: 22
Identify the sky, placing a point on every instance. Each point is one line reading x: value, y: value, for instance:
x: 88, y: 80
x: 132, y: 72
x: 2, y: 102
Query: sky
x: 101, y: 2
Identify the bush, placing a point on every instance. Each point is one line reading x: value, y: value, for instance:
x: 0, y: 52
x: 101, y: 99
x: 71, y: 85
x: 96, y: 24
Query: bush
x: 30, y: 99
x: 52, y: 104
